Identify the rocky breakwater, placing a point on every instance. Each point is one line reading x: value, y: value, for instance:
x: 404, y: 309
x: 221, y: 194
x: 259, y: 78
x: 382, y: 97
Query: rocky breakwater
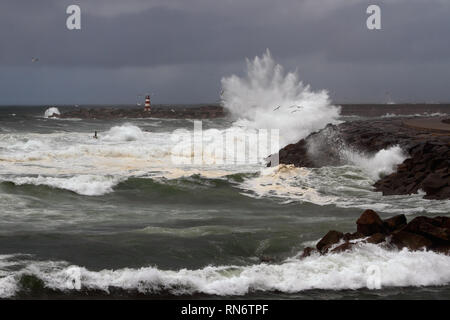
x: 426, y: 168
x: 203, y: 112
x: 394, y: 233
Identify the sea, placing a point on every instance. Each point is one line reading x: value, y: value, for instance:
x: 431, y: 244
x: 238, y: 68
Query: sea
x: 136, y: 213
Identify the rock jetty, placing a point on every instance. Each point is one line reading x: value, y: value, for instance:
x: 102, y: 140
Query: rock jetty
x: 203, y: 112
x: 426, y: 168
x: 395, y: 233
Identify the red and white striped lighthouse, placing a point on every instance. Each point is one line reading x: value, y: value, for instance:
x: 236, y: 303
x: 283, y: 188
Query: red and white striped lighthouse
x: 148, y: 106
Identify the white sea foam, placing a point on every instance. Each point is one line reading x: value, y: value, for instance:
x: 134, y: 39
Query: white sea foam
x: 60, y: 158
x: 77, y: 162
x: 89, y: 185
x: 28, y: 145
x: 348, y: 270
x: 51, y: 111
x: 267, y: 98
x: 126, y: 132
x: 383, y: 162
x: 347, y: 187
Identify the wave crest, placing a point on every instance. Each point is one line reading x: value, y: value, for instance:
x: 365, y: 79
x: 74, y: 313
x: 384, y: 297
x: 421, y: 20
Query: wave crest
x: 349, y: 270
x: 51, y: 111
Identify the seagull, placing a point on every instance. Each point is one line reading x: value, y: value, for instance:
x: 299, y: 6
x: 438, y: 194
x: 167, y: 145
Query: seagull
x: 34, y: 59
x: 277, y: 108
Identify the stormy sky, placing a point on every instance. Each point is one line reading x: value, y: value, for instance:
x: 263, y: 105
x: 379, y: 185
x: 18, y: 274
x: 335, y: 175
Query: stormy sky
x: 180, y: 49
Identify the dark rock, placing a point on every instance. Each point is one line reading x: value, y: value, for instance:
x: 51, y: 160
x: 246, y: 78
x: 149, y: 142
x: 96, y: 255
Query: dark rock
x: 427, y: 167
x: 353, y: 236
x: 343, y: 247
x: 445, y: 249
x: 433, y: 182
x: 443, y: 222
x: 395, y: 223
x: 307, y: 252
x: 376, y: 238
x: 429, y: 228
x: 331, y: 238
x: 370, y: 223
x: 420, y: 233
x: 266, y: 259
x: 412, y: 241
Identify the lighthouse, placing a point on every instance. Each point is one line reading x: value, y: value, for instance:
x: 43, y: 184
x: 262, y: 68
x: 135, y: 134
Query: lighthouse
x: 148, y: 106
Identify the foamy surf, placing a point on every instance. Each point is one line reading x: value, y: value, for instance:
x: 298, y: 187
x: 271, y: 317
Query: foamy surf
x: 87, y: 185
x: 347, y: 186
x: 350, y: 270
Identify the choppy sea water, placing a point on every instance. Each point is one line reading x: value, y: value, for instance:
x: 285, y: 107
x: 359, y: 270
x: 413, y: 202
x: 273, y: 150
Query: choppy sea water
x: 115, y: 217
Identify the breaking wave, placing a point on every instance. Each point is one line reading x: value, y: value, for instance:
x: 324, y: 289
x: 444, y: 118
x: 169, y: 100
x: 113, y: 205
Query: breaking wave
x: 51, y: 111
x: 126, y: 132
x: 88, y: 185
x: 383, y: 162
x: 348, y: 270
x: 267, y: 98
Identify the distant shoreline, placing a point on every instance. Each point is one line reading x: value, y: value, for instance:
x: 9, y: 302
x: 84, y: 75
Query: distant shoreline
x: 347, y: 108
x: 217, y: 111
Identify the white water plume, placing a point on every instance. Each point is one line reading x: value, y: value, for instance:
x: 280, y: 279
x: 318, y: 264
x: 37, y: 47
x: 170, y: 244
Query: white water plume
x: 269, y: 98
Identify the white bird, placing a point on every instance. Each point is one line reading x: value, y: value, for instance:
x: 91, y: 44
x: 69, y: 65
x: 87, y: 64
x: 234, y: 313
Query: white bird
x: 34, y: 59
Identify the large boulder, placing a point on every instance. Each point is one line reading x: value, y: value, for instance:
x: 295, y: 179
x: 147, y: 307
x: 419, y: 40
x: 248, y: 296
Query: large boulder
x: 376, y: 238
x: 370, y: 223
x: 395, y: 223
x: 353, y: 236
x: 428, y: 227
x: 412, y: 241
x: 421, y: 233
x: 434, y: 182
x: 443, y: 222
x: 331, y: 238
x: 307, y: 252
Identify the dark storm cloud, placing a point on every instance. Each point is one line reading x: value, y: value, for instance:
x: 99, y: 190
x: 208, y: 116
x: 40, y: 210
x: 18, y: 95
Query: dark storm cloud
x: 195, y: 42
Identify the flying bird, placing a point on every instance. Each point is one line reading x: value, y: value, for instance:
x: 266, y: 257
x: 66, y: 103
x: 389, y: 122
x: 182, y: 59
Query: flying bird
x: 277, y: 108
x: 34, y: 59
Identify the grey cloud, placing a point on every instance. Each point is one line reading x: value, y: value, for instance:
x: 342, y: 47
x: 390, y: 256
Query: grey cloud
x: 199, y: 40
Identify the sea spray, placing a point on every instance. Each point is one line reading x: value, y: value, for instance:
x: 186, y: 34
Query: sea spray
x: 269, y: 98
x: 126, y: 132
x: 51, y: 112
x: 381, y: 163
